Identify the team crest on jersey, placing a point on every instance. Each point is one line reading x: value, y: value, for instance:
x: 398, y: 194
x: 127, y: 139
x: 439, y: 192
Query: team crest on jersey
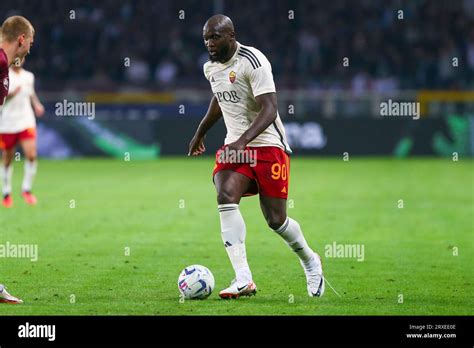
x: 232, y: 76
x: 5, y: 83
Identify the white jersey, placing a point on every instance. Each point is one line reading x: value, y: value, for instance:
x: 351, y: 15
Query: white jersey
x: 235, y: 85
x: 18, y: 114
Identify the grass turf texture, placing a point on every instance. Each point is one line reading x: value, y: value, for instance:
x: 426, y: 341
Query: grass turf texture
x: 165, y: 212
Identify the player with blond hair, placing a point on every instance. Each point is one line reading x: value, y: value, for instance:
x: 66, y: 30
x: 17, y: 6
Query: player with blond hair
x: 17, y: 121
x: 17, y: 36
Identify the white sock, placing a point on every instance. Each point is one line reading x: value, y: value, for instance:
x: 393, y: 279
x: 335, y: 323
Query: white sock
x: 291, y: 232
x: 233, y: 235
x: 7, y: 173
x: 29, y: 175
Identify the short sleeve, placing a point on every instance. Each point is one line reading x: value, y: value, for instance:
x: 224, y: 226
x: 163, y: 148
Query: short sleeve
x: 205, y: 70
x: 261, y: 79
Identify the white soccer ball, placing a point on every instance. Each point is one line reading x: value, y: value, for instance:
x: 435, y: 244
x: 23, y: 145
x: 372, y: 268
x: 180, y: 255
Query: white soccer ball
x: 196, y: 282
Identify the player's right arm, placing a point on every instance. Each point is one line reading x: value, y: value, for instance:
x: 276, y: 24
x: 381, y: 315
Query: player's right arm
x: 214, y: 113
x: 3, y: 74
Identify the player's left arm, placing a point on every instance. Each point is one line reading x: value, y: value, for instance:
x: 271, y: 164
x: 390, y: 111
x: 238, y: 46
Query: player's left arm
x: 266, y: 116
x: 37, y: 106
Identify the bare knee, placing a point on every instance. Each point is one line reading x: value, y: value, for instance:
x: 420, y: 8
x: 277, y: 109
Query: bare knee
x: 275, y: 221
x: 31, y: 157
x: 7, y: 162
x: 226, y: 196
x: 8, y: 157
x: 30, y: 154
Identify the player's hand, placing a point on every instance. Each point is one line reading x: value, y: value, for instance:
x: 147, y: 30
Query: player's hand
x: 196, y: 146
x: 237, y: 145
x: 39, y: 110
x: 15, y: 92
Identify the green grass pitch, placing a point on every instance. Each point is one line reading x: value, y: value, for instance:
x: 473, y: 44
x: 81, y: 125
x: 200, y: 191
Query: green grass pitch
x: 417, y: 261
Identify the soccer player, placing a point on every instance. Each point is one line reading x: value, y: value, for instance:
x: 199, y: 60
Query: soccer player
x: 255, y: 157
x: 18, y: 124
x: 17, y: 36
x: 5, y: 297
x: 17, y: 121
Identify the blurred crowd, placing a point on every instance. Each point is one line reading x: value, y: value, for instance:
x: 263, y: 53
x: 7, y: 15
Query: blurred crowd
x: 108, y: 44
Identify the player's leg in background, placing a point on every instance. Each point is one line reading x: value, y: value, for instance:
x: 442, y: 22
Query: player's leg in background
x: 274, y: 211
x: 230, y: 187
x: 7, y: 173
x: 30, y: 169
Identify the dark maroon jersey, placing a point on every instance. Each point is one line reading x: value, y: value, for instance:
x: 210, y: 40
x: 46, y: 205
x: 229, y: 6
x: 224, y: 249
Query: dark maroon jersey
x: 4, y: 80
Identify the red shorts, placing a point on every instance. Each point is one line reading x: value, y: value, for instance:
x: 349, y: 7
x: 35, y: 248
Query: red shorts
x: 9, y: 141
x: 267, y: 166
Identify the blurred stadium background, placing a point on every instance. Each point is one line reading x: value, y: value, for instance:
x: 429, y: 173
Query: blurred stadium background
x: 141, y: 61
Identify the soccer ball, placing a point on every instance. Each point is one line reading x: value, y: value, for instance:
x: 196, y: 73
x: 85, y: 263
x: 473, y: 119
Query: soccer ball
x: 196, y: 282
